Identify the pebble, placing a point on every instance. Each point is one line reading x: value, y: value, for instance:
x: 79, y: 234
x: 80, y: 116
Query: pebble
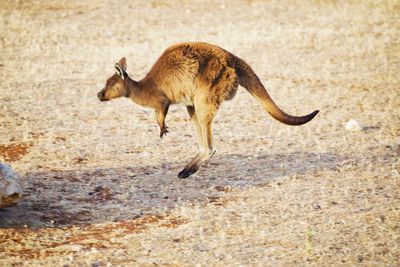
x: 353, y: 125
x: 10, y: 188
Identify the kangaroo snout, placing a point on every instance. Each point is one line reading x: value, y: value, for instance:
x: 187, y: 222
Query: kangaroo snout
x: 100, y: 96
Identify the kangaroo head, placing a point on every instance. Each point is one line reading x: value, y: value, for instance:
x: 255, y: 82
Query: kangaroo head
x: 115, y: 85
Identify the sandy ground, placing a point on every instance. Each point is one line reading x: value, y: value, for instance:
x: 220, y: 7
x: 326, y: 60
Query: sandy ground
x: 101, y: 187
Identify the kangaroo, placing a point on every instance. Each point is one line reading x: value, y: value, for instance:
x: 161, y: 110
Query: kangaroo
x: 200, y: 76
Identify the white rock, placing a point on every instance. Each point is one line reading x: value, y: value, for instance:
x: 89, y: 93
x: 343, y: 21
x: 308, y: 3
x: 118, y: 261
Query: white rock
x: 353, y: 125
x: 10, y: 188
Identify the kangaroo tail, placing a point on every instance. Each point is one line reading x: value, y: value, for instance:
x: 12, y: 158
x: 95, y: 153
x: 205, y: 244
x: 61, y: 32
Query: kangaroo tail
x: 249, y: 80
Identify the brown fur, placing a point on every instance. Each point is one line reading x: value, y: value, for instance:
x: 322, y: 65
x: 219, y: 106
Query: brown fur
x: 201, y: 76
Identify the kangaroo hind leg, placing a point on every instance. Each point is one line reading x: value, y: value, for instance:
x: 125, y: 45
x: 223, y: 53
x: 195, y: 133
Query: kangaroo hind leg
x: 204, y: 113
x: 193, y: 117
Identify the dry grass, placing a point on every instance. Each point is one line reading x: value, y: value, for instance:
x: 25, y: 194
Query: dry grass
x: 101, y: 188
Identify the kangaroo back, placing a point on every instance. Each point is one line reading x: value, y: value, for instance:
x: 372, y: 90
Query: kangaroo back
x: 249, y: 80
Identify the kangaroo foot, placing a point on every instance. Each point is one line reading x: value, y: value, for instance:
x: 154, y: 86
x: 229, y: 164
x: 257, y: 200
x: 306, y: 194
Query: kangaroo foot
x: 194, y: 165
x: 187, y: 171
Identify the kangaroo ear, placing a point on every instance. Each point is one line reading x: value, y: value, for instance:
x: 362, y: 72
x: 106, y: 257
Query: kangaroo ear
x: 122, y: 63
x: 120, y: 72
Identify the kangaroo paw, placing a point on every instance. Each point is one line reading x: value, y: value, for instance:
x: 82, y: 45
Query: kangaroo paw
x: 163, y: 131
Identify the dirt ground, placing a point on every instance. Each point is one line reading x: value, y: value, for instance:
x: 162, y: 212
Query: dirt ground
x: 101, y: 187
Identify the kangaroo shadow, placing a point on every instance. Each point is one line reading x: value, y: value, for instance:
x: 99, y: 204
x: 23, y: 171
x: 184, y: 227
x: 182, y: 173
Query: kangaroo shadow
x: 63, y: 198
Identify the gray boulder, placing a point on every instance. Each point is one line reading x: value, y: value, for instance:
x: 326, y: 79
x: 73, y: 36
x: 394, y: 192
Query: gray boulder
x: 10, y: 188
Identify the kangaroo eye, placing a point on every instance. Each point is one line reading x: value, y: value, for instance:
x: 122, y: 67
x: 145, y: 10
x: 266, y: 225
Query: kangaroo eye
x: 111, y: 84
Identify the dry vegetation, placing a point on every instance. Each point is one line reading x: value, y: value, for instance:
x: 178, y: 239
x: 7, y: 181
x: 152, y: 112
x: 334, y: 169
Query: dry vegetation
x: 101, y: 187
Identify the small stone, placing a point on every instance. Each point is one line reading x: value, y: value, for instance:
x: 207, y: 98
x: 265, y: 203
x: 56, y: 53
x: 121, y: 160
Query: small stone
x: 10, y: 188
x: 353, y: 125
